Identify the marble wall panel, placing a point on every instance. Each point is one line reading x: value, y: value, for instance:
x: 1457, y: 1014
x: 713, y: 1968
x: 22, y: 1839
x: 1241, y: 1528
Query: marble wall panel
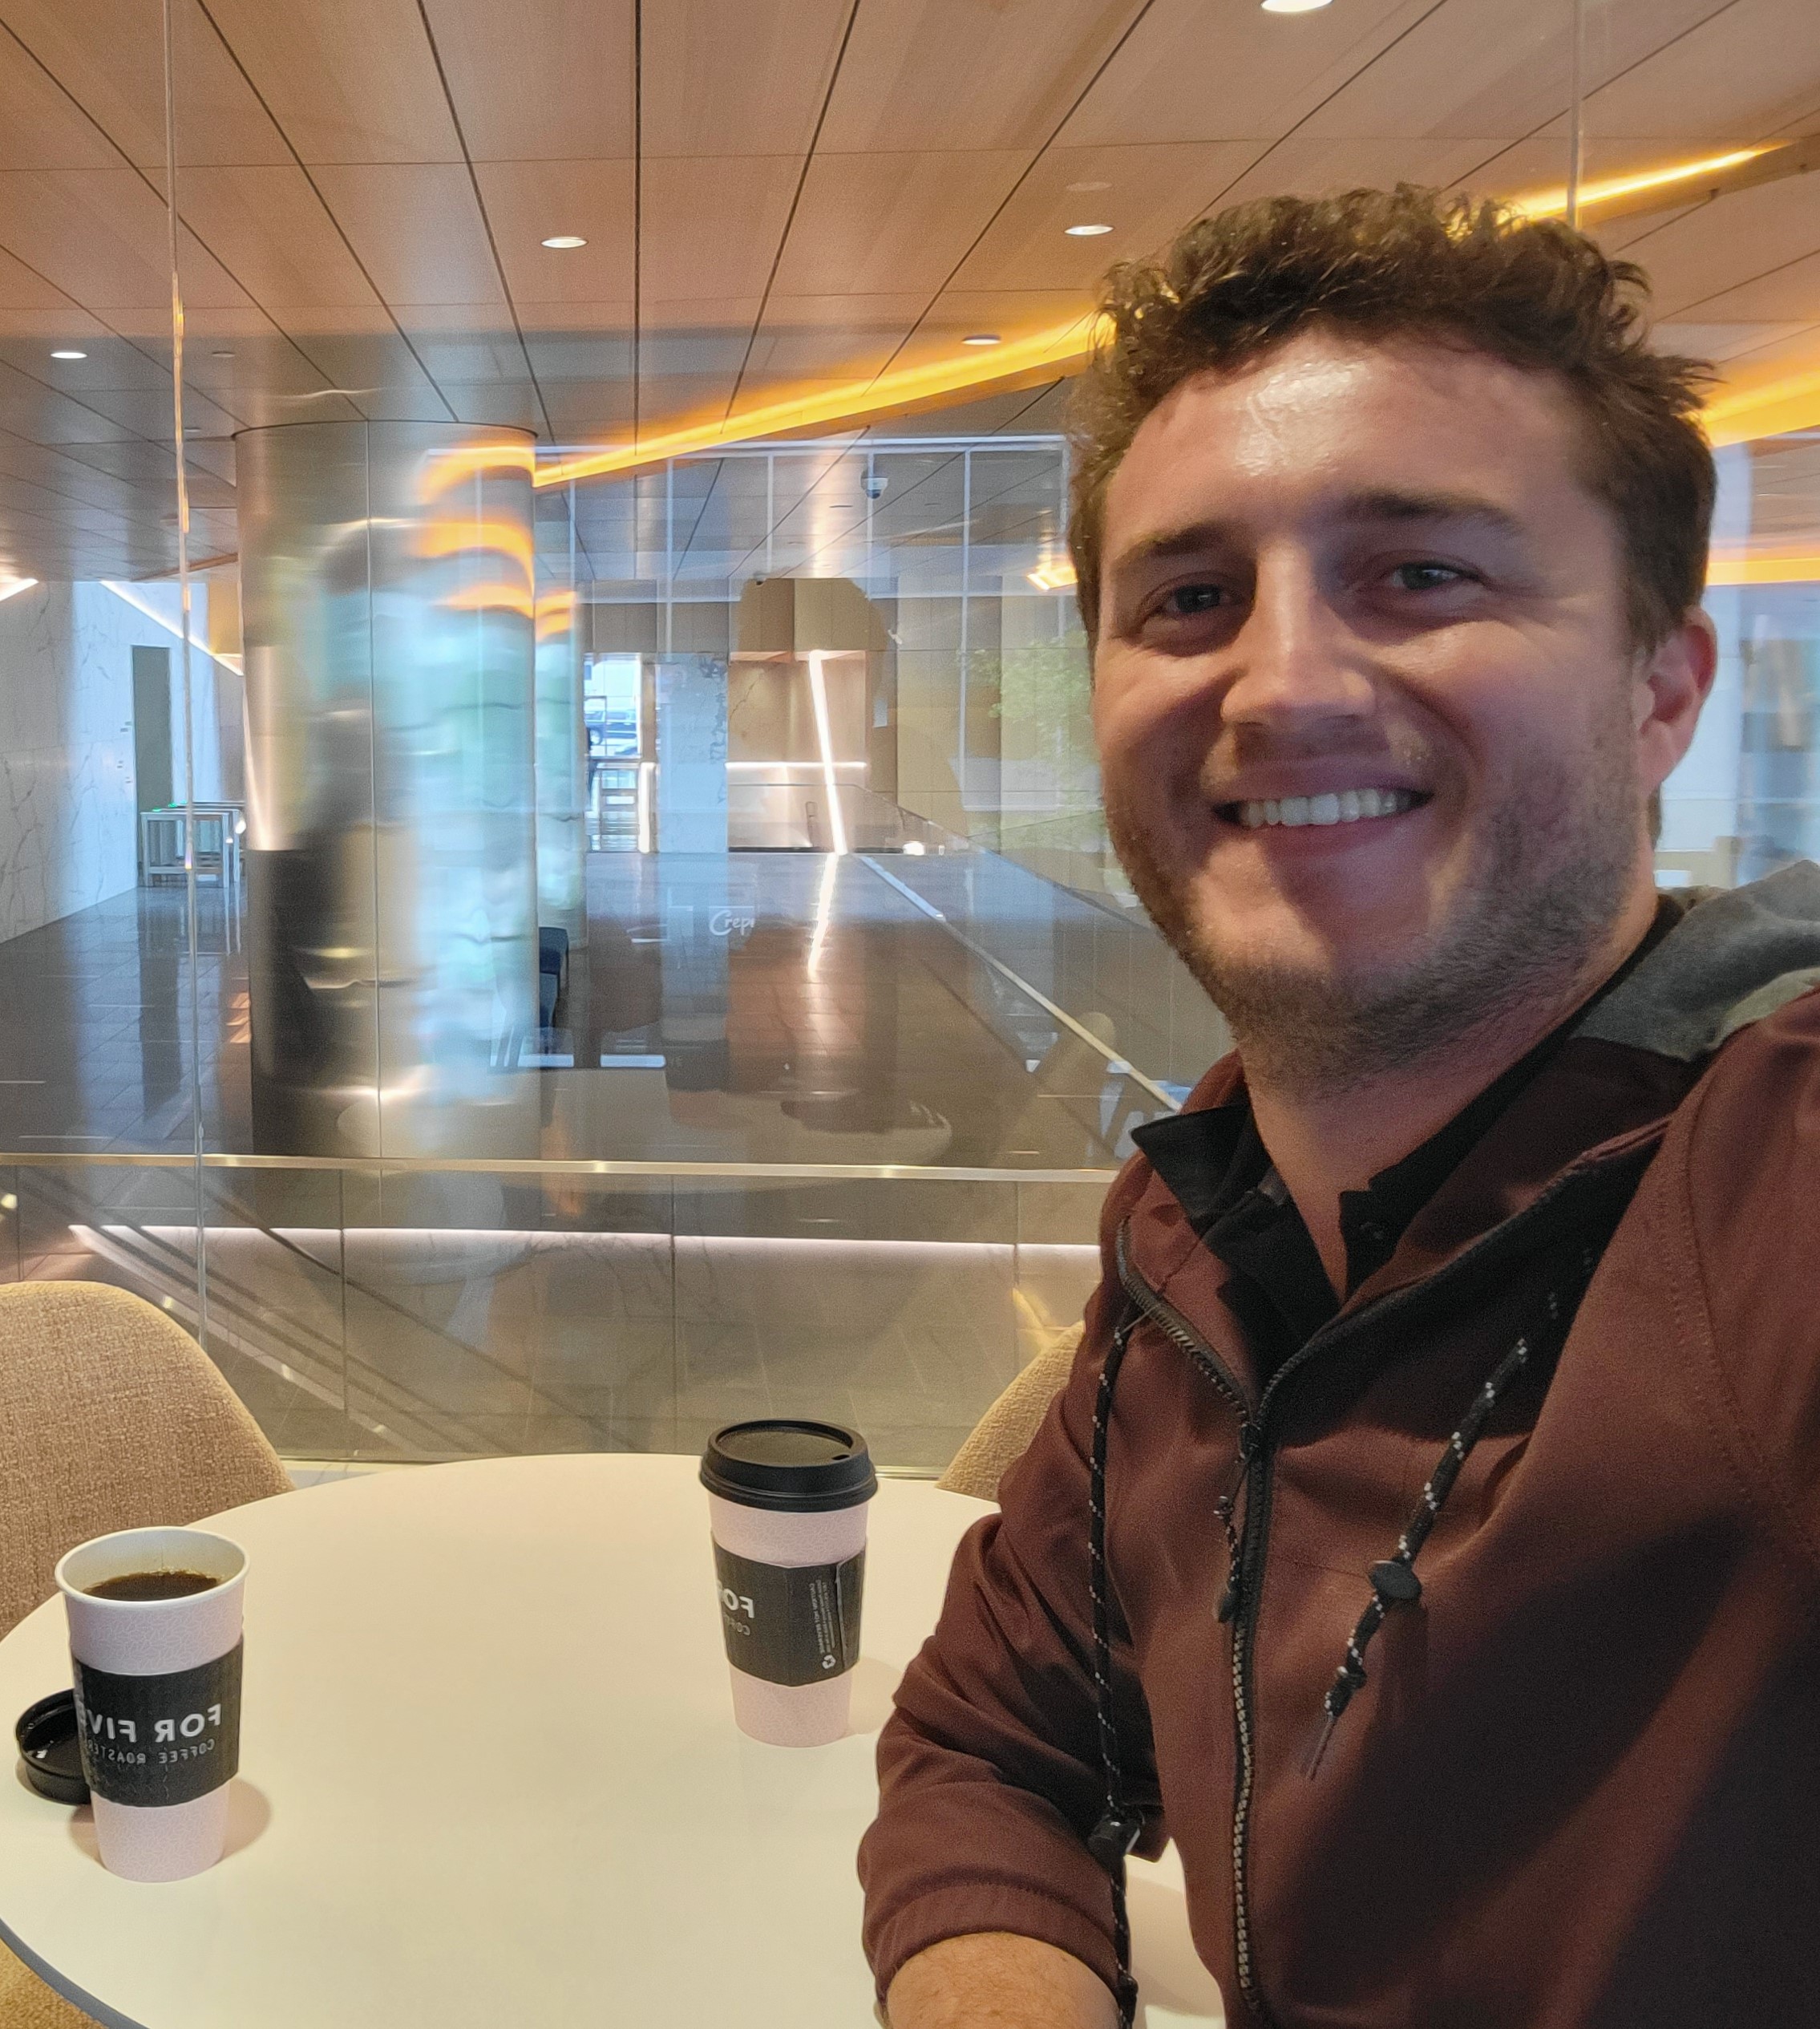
x: 68, y: 813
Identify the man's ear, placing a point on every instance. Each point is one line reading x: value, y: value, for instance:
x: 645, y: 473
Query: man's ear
x: 1673, y: 680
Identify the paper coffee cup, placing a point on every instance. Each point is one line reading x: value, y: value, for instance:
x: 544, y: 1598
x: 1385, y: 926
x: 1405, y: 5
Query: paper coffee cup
x: 158, y: 1697
x: 786, y: 1502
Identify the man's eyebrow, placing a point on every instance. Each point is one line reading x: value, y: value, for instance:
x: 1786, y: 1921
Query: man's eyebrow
x: 1389, y: 503
x: 1393, y: 504
x: 1193, y: 541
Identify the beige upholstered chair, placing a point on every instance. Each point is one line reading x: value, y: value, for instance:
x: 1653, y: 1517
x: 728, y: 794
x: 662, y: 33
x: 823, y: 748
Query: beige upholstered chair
x: 1003, y: 1434
x: 111, y: 1416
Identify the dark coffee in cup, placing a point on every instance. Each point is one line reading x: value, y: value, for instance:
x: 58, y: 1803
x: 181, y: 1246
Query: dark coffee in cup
x: 786, y: 1501
x: 152, y: 1584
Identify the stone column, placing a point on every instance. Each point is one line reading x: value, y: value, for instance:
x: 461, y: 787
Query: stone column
x: 388, y: 582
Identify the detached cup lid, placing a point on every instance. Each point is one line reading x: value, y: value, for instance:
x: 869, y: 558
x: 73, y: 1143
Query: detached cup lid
x: 49, y: 1753
x: 794, y: 1467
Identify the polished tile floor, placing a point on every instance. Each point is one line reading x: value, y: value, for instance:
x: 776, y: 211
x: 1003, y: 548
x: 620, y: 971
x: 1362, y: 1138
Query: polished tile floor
x: 809, y: 1012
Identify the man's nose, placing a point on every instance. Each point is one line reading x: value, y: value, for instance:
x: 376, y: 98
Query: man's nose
x: 1294, y: 665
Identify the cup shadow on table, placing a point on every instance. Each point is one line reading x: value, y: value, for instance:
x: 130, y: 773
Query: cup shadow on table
x: 249, y: 1811
x: 873, y: 1684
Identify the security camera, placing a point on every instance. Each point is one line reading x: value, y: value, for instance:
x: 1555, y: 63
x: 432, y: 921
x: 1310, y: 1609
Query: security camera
x: 876, y: 483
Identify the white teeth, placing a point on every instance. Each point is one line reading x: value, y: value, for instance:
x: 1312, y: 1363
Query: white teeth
x: 1341, y: 807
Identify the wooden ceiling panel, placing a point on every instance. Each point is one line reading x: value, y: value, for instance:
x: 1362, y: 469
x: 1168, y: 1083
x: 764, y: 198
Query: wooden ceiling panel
x: 737, y: 77
x: 1752, y: 68
x: 712, y: 224
x: 348, y: 81
x: 552, y: 83
x: 39, y: 127
x: 597, y: 347
x: 109, y: 56
x: 1482, y: 67
x: 30, y: 303
x: 922, y: 75
x: 578, y: 412
x: 1312, y: 167
x: 455, y: 344
x: 270, y: 229
x: 582, y: 324
x: 826, y: 339
x: 376, y: 364
x: 1190, y: 71
x: 147, y: 411
x: 527, y: 202
x: 1145, y: 194
x: 417, y: 230
x: 100, y: 237
x: 1795, y: 353
x: 1788, y: 294
x: 512, y: 403
x: 868, y: 223
x: 1730, y: 242
x: 112, y: 365
x: 29, y: 409
x: 1721, y: 342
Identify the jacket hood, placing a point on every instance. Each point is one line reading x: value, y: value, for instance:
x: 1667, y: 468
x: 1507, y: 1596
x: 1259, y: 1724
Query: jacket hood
x: 1735, y: 957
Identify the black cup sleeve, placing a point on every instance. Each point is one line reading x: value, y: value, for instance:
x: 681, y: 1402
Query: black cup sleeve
x: 164, y: 1740
x: 790, y: 1624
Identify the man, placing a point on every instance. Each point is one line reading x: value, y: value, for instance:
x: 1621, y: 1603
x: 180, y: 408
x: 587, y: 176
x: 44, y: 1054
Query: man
x: 1452, y: 1393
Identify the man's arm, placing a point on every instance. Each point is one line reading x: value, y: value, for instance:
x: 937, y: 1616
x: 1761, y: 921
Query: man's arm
x: 989, y: 1771
x: 994, y: 1980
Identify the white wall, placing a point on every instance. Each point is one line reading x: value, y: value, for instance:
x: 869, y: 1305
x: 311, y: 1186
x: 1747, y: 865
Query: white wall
x: 68, y: 825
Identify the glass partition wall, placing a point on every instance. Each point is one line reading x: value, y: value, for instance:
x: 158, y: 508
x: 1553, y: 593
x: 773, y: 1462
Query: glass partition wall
x: 521, y: 956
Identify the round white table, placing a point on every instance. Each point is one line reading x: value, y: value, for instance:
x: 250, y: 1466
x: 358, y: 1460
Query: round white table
x: 490, y: 1774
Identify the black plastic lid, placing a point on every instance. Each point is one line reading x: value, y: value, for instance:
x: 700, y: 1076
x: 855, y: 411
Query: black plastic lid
x: 49, y: 1753
x: 796, y: 1468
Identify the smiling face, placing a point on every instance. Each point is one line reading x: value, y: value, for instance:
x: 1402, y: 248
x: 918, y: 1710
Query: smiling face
x: 1376, y: 744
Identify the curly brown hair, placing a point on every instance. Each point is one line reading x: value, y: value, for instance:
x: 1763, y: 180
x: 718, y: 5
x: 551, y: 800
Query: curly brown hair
x: 1415, y: 263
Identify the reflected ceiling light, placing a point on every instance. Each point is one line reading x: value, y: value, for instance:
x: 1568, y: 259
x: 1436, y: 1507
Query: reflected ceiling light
x: 10, y: 586
x: 1079, y: 188
x: 224, y: 353
x: 563, y: 240
x: 1056, y: 577
x: 1085, y: 231
x: 981, y: 338
x: 1770, y: 410
x: 1061, y: 349
x: 68, y: 352
x: 1293, y: 6
x: 1553, y: 204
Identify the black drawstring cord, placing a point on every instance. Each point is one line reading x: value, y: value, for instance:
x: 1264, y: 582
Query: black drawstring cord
x: 1120, y: 1826
x: 1394, y: 1582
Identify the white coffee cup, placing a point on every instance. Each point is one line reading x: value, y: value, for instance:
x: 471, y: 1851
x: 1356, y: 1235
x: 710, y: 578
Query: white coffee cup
x: 157, y: 1697
x: 787, y: 1504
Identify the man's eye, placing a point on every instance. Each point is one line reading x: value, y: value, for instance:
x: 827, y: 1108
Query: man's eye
x: 1426, y: 578
x: 1186, y: 599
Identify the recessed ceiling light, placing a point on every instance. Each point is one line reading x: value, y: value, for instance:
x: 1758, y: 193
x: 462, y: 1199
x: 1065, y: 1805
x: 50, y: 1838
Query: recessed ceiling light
x: 1087, y: 232
x: 221, y: 355
x: 68, y: 352
x: 1293, y: 6
x: 981, y: 338
x: 565, y: 240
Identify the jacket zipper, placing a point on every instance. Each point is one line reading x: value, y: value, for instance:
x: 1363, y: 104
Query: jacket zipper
x: 1245, y: 1584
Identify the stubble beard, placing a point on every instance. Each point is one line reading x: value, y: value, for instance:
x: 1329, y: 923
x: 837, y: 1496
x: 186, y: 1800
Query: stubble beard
x: 1554, y: 874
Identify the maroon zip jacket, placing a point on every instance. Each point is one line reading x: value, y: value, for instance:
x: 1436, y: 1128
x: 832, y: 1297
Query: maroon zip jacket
x: 1577, y: 1780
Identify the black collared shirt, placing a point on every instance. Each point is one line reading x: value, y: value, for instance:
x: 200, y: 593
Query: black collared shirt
x: 1221, y: 1173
